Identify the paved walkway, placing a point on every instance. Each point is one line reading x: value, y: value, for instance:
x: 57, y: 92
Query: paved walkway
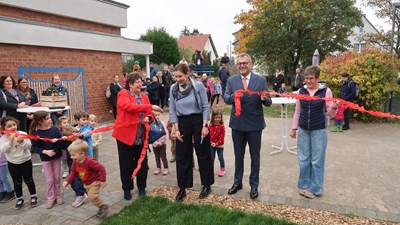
x: 362, y: 177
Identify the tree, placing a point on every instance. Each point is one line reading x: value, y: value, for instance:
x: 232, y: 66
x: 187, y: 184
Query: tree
x: 373, y: 70
x: 195, y: 32
x: 384, y: 10
x: 285, y: 34
x: 185, y: 31
x: 165, y: 47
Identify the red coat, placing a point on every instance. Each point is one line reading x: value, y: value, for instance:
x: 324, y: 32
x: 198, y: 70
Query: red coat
x: 128, y: 116
x: 217, y: 134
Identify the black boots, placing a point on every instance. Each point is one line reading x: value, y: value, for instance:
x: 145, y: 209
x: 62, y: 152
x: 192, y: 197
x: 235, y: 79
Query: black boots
x: 2, y: 196
x: 8, y: 197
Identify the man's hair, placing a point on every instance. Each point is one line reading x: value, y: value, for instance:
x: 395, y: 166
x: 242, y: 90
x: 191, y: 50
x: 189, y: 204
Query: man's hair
x: 312, y: 70
x: 344, y: 74
x: 78, y: 146
x: 241, y: 55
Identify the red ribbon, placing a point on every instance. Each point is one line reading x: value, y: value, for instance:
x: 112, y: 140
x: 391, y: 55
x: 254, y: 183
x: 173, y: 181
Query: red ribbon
x: 239, y: 93
x: 144, y: 150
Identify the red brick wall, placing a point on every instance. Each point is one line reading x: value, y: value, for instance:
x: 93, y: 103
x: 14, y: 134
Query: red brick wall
x: 99, y: 67
x: 58, y: 20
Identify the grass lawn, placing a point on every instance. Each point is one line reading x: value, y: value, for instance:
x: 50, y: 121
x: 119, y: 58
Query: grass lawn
x: 159, y: 210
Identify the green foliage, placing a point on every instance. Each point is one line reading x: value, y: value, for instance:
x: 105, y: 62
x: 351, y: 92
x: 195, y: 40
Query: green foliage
x: 374, y: 71
x: 158, y: 210
x: 165, y: 47
x: 207, y: 60
x: 384, y: 10
x: 288, y: 32
x: 187, y: 53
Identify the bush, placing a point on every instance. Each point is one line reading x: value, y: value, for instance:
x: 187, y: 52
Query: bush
x: 373, y: 70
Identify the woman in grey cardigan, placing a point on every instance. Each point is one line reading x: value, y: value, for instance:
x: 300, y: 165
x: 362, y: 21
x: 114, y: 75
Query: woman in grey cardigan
x: 189, y: 114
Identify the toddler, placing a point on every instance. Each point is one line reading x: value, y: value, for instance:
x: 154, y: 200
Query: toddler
x: 62, y: 123
x: 216, y: 90
x: 49, y: 153
x: 217, y: 136
x: 96, y: 137
x: 339, y: 119
x: 82, y: 120
x: 17, y: 151
x: 160, y: 150
x: 91, y: 172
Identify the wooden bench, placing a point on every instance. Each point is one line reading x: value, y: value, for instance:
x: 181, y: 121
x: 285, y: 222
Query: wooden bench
x: 209, y: 69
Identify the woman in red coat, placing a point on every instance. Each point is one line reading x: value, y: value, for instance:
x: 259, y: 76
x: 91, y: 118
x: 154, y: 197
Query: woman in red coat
x: 133, y: 108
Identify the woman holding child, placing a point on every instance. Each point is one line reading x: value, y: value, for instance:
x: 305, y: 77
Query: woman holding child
x: 133, y: 108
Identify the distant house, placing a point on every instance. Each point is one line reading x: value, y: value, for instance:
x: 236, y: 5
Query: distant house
x: 201, y: 42
x: 359, y: 39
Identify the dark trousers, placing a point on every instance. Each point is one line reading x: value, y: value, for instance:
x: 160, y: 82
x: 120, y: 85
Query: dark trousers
x: 161, y: 96
x: 166, y: 94
x: 115, y: 111
x: 154, y: 101
x: 223, y: 86
x: 240, y: 140
x: 160, y: 154
x: 76, y: 184
x: 346, y: 114
x: 213, y: 97
x: 190, y: 127
x: 21, y: 172
x: 128, y: 156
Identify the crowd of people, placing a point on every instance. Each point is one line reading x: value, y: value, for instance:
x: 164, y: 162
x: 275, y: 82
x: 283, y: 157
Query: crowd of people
x: 194, y: 126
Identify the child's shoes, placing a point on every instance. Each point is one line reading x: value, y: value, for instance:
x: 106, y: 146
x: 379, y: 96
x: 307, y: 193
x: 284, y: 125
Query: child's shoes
x: 341, y: 128
x: 221, y: 172
x: 165, y: 171
x: 157, y: 171
x: 334, y: 129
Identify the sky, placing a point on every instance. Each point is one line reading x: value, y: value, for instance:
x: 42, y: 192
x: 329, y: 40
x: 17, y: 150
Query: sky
x: 213, y: 17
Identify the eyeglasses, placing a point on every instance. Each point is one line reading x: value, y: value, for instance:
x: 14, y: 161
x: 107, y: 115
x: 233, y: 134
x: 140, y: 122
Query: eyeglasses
x: 242, y: 63
x: 309, y: 78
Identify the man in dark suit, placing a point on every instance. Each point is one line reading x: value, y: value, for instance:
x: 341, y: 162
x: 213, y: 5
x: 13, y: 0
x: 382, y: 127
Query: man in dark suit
x: 247, y: 128
x: 115, y: 87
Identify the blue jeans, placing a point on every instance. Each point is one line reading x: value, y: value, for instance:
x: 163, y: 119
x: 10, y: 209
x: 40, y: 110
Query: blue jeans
x: 338, y: 122
x: 311, y: 148
x: 5, y: 184
x: 220, y: 152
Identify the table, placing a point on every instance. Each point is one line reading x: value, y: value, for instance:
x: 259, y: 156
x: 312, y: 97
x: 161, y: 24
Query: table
x: 284, y: 102
x: 33, y: 109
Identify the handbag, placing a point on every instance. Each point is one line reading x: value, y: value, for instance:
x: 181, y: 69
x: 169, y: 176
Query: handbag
x: 156, y: 131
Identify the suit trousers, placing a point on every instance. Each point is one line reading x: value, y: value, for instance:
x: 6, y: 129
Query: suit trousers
x: 190, y: 127
x: 128, y: 156
x: 240, y: 140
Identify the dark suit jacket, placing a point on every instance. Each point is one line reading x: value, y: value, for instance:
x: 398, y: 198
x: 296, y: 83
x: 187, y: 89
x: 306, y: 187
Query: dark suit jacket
x: 252, y: 115
x: 114, y: 89
x: 11, y: 107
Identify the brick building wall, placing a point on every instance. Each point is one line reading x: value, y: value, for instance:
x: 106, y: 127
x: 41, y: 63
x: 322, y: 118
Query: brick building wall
x: 57, y: 20
x: 99, y: 67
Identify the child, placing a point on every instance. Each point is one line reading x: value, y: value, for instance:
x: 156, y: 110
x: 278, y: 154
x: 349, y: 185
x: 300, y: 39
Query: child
x: 82, y: 120
x: 217, y: 136
x: 339, y: 118
x: 62, y: 123
x: 49, y: 153
x: 18, y: 153
x: 282, y: 89
x: 172, y: 138
x: 216, y: 90
x: 91, y: 172
x: 160, y: 150
x: 76, y: 184
x: 96, y: 137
